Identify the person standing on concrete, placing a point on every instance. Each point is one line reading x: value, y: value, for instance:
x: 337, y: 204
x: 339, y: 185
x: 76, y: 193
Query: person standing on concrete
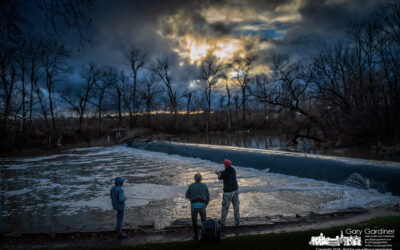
x: 199, y: 197
x: 118, y: 202
x: 231, y: 192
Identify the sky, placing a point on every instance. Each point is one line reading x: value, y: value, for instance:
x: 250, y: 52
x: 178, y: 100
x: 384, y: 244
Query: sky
x: 186, y: 31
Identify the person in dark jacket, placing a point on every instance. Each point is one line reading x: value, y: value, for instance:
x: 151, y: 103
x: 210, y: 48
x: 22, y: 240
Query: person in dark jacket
x: 118, y: 202
x: 231, y: 192
x: 199, y: 197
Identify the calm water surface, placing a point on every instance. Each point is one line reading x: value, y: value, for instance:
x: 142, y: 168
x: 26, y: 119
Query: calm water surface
x: 263, y: 140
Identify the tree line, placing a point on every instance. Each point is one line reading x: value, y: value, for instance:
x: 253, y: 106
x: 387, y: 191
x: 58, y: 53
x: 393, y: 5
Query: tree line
x: 346, y: 94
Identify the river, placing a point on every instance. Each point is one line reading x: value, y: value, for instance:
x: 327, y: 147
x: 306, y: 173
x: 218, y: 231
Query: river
x: 264, y: 140
x: 70, y: 191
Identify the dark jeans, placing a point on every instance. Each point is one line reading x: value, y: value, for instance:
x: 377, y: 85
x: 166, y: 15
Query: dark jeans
x: 194, y: 212
x: 120, y: 219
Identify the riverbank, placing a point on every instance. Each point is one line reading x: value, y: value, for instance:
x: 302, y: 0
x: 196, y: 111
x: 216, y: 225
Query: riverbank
x: 275, y: 232
x: 76, y: 141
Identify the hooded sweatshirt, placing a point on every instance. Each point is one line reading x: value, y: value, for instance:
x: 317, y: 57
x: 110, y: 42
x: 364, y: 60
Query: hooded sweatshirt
x: 117, y: 195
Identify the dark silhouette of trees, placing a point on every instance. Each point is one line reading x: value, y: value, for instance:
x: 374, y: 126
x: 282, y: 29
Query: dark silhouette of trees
x: 137, y: 62
x: 161, y: 70
x: 390, y: 16
x: 58, y: 15
x: 78, y: 96
x: 188, y: 96
x: 241, y: 68
x: 22, y: 62
x: 346, y: 94
x: 8, y: 71
x: 98, y: 95
x: 210, y: 72
x: 261, y: 92
x: 116, y: 81
x: 148, y: 93
x: 12, y: 21
x: 74, y: 13
x: 54, y: 66
x: 33, y: 53
x: 228, y: 95
x: 292, y: 93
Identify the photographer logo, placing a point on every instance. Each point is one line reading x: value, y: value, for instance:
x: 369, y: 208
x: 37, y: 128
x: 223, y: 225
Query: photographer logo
x: 341, y: 240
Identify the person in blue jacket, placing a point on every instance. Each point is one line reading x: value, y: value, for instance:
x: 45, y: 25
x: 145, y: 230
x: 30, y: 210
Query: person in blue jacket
x: 118, y: 202
x: 231, y: 192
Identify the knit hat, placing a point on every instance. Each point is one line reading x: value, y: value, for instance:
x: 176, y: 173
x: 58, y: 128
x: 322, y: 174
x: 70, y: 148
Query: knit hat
x: 227, y: 163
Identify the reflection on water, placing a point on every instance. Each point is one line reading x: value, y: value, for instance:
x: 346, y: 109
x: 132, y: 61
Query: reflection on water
x: 263, y: 140
x: 70, y: 191
x: 251, y: 139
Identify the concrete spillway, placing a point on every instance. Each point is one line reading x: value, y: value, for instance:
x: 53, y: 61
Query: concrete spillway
x: 383, y: 176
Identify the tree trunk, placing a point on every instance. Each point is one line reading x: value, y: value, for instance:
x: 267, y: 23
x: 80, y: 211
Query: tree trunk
x: 80, y: 122
x: 23, y: 98
x: 228, y: 104
x: 49, y: 89
x: 148, y: 105
x: 99, y: 121
x: 244, y: 107
x: 133, y: 118
x: 31, y: 93
x: 119, y: 110
x: 236, y: 99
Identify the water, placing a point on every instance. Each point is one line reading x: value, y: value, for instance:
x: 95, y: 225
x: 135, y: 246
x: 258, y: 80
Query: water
x: 381, y: 175
x: 253, y: 139
x: 70, y: 191
x: 264, y: 140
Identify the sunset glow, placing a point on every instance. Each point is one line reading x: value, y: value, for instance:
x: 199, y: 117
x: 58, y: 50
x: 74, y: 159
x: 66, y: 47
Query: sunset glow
x: 196, y: 50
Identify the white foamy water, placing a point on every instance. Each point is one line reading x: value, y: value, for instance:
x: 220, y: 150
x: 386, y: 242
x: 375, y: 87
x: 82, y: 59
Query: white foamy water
x: 70, y: 191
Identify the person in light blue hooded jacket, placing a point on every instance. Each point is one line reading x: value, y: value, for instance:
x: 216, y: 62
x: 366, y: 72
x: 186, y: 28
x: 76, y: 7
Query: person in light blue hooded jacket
x: 118, y: 202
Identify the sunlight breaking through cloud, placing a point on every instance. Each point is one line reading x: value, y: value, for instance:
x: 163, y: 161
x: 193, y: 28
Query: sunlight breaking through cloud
x: 225, y: 30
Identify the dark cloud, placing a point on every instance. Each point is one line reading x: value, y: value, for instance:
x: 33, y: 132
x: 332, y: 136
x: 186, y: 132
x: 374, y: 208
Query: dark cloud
x: 292, y: 27
x: 323, y: 24
x: 332, y: 16
x: 267, y: 5
x: 221, y: 28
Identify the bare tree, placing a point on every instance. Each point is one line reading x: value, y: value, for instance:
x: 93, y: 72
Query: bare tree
x: 118, y: 88
x: 98, y: 95
x: 54, y: 66
x: 228, y: 95
x: 137, y: 61
x: 242, y: 67
x: 22, y: 60
x: 262, y: 92
x: 161, y: 69
x: 292, y: 94
x: 41, y: 100
x: 390, y: 14
x: 12, y: 21
x: 148, y: 92
x: 188, y: 96
x: 210, y: 72
x: 78, y: 96
x: 237, y: 105
x: 59, y: 14
x: 34, y: 56
x: 8, y: 79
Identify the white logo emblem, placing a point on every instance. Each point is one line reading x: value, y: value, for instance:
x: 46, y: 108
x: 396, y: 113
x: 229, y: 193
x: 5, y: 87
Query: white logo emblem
x: 321, y: 240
